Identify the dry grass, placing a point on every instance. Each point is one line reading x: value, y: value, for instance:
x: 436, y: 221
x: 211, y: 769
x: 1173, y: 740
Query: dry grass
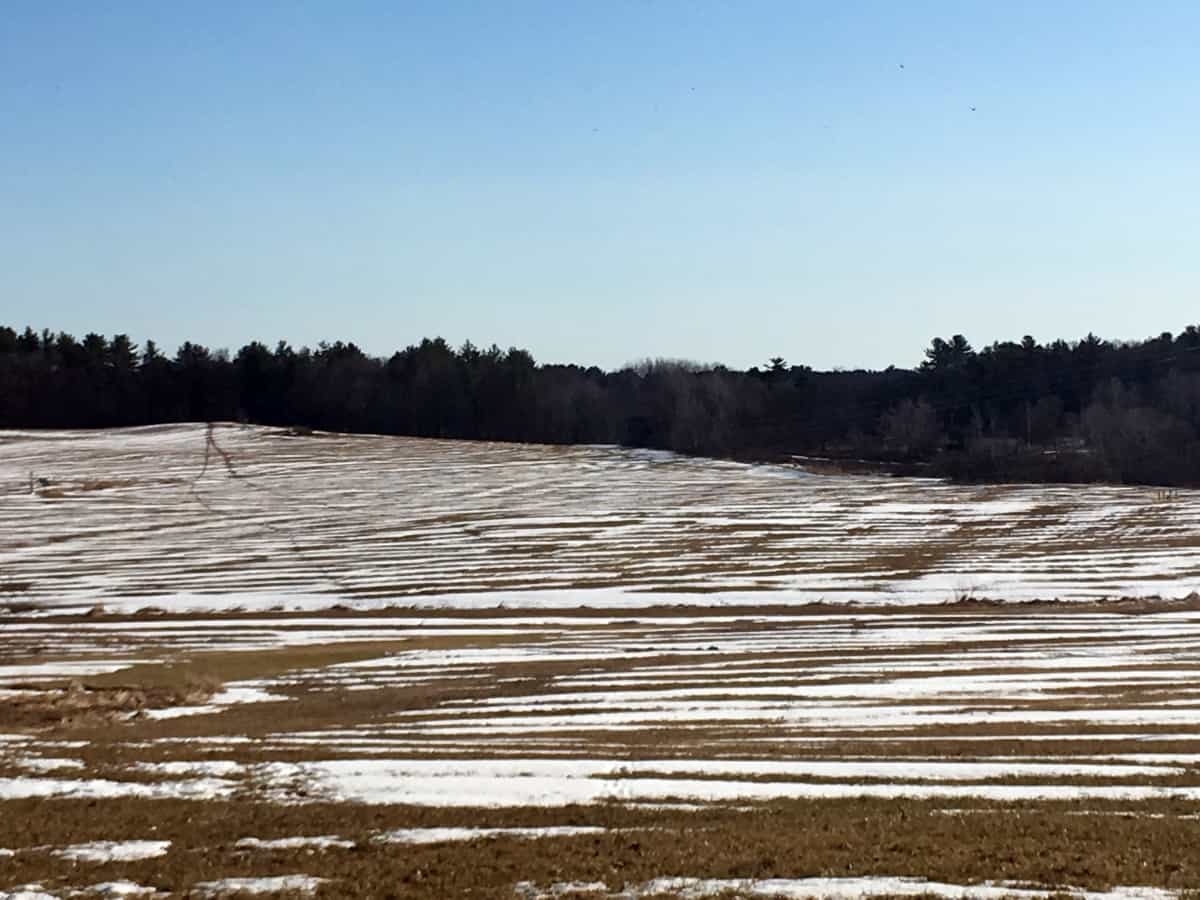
x: 86, y: 706
x: 231, y: 665
x: 1095, y: 844
x: 1047, y: 844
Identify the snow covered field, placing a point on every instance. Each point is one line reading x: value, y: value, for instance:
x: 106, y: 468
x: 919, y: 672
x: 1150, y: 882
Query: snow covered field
x: 352, y: 652
x: 136, y: 518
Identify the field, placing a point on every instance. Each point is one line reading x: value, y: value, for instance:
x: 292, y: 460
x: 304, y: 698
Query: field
x: 251, y: 661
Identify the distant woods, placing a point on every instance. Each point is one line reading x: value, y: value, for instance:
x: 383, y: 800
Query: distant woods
x: 1080, y: 411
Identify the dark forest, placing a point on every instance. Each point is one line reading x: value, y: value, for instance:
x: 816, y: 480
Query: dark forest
x: 1087, y: 410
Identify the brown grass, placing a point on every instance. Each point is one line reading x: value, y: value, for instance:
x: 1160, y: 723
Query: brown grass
x: 1116, y: 843
x: 78, y: 705
x: 1049, y: 844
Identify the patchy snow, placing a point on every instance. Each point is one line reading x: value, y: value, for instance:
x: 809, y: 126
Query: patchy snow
x: 848, y: 716
x: 46, y: 763
x: 838, y: 888
x: 113, y: 851
x: 359, y: 778
x: 273, y: 885
x: 198, y: 789
x: 444, y: 835
x: 27, y: 892
x: 560, y: 782
x: 217, y: 768
x: 430, y: 526
x: 322, y: 842
x: 231, y: 696
x: 120, y: 889
x: 527, y: 890
x: 639, y: 529
x: 60, y: 670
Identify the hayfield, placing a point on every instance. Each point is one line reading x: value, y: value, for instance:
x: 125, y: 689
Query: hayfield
x: 358, y: 666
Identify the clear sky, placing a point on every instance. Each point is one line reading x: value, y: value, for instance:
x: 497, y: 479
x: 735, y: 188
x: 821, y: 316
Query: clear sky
x: 833, y: 182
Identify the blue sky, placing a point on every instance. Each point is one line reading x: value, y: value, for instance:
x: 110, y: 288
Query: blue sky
x: 601, y: 182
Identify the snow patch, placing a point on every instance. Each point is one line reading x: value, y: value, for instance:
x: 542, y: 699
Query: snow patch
x: 27, y: 892
x: 120, y: 889
x: 561, y: 782
x: 837, y: 888
x: 113, y: 851
x: 231, y: 696
x: 276, y: 885
x: 444, y: 835
x: 199, y: 789
x: 47, y: 763
x: 323, y: 842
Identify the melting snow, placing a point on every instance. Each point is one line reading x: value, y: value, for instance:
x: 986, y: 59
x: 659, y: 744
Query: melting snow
x: 27, y: 892
x: 442, y: 835
x: 559, y: 782
x: 198, y: 789
x: 323, y: 842
x: 114, y: 851
x: 275, y: 885
x: 218, y: 702
x: 120, y: 889
x: 642, y: 529
x: 47, y: 763
x: 839, y: 888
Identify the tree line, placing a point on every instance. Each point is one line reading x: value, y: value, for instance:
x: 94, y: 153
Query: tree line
x: 1086, y: 410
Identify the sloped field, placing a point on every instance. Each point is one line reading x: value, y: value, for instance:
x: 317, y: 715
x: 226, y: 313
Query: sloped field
x: 156, y: 516
x: 381, y: 667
